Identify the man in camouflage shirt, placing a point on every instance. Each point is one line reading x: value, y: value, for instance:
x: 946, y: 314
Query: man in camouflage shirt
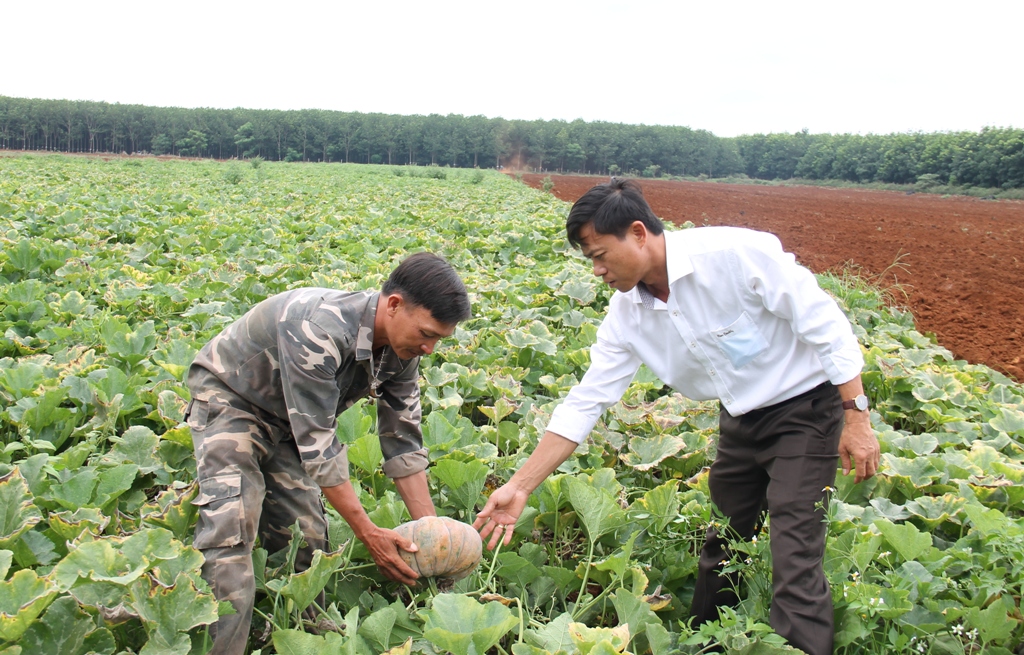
x: 266, y: 394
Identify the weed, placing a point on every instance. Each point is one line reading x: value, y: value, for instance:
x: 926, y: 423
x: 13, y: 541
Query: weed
x: 234, y: 174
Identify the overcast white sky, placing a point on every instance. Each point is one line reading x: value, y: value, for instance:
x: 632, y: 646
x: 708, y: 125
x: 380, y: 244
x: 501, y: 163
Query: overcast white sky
x: 731, y: 67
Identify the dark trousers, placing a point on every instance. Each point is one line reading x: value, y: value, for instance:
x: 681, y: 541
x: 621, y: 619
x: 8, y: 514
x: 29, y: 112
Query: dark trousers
x: 781, y: 457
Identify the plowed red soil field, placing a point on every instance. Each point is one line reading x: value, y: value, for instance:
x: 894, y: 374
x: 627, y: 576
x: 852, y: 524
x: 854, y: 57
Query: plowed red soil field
x: 959, y: 261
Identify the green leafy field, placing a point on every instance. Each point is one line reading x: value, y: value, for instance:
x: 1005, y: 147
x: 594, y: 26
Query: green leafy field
x: 114, y: 273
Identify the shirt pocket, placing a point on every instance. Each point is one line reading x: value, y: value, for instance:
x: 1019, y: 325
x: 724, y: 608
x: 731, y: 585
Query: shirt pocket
x: 740, y: 341
x: 196, y: 414
x: 220, y: 511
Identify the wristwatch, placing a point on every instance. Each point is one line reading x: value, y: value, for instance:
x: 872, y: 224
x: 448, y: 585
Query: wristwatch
x: 859, y: 402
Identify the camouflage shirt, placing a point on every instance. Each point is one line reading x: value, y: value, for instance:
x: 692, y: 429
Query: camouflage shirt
x: 303, y: 356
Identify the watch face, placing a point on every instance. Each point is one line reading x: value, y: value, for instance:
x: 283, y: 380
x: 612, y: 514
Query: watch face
x: 861, y: 402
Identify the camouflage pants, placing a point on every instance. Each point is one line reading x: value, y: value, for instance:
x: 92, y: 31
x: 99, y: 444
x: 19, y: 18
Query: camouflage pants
x: 251, y: 483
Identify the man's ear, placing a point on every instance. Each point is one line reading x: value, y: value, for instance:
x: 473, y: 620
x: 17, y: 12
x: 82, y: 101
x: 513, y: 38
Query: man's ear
x: 393, y: 302
x: 639, y: 231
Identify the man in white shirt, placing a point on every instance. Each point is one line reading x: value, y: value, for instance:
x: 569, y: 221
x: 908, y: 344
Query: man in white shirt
x: 720, y: 312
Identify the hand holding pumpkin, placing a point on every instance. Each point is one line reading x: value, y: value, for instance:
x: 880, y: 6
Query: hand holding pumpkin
x: 385, y: 548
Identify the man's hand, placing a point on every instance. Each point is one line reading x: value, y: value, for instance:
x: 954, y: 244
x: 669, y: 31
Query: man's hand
x: 859, y: 444
x: 503, y: 508
x: 383, y: 545
x: 499, y: 515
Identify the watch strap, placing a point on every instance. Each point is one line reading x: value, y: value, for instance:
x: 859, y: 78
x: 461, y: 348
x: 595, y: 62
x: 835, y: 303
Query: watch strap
x: 853, y: 402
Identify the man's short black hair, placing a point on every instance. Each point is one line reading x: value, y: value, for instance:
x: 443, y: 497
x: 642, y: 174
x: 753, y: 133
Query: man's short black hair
x: 611, y: 208
x: 426, y: 280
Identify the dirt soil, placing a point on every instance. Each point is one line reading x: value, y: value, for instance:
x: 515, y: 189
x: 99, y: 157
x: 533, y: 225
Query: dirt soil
x: 958, y: 261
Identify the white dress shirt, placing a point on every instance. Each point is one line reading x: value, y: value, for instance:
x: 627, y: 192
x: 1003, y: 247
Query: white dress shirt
x: 744, y: 323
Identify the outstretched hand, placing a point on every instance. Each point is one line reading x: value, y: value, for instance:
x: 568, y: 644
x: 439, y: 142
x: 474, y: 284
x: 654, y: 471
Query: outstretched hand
x: 384, y: 548
x: 498, y: 517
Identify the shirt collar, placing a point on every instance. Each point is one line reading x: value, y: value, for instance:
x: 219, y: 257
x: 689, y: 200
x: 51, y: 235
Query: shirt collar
x: 677, y: 262
x: 364, y: 333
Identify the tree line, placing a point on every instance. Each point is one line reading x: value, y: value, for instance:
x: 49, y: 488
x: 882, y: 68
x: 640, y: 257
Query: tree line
x: 993, y: 157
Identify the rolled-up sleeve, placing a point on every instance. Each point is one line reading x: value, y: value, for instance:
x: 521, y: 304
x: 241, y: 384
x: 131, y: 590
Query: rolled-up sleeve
x: 398, y: 417
x: 612, y: 367
x: 309, y: 360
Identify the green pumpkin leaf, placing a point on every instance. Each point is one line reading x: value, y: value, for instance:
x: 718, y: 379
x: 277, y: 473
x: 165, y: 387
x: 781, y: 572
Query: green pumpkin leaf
x: 34, y: 549
x: 516, y: 570
x: 438, y: 434
x: 69, y: 526
x: 588, y: 640
x: 634, y: 612
x: 77, y: 491
x: 596, y: 508
x: 189, y: 561
x: 465, y: 480
x: 303, y: 588
x: 127, y: 345
x: 66, y: 630
x: 173, y: 510
x: 461, y: 625
x: 661, y: 504
x: 662, y: 641
x: 647, y: 452
x: 22, y: 380
x: 905, y: 538
x: 169, y: 613
x: 22, y: 599
x: 377, y: 628
x: 988, y: 521
x: 99, y: 594
x: 1009, y: 421
x: 6, y: 557
x: 366, y: 453
x: 619, y: 561
x: 993, y: 623
x: 920, y: 470
x: 527, y: 649
x: 935, y: 510
x: 17, y: 511
x: 582, y: 291
x: 113, y: 482
x: 296, y: 642
x: 138, y: 445
x: 554, y: 636
x: 887, y: 510
x: 175, y: 357
x: 182, y: 645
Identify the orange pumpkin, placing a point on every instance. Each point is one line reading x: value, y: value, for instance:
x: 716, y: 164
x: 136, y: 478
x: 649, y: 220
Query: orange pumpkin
x: 447, y: 548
